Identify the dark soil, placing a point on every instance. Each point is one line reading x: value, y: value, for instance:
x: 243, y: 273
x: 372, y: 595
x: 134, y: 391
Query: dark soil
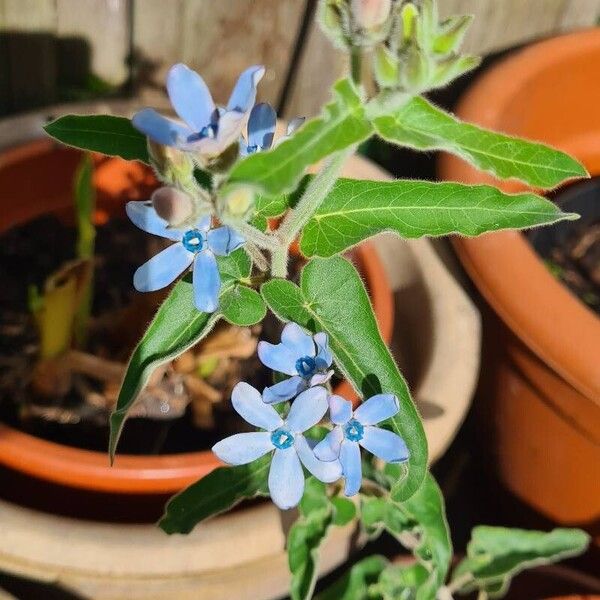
x: 31, y: 252
x: 571, y: 249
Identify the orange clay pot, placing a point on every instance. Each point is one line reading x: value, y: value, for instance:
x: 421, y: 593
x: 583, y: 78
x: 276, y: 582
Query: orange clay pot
x: 539, y: 397
x: 37, y: 178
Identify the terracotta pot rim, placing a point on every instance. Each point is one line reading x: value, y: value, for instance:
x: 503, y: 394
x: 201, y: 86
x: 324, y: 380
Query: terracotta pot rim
x: 569, y: 343
x: 87, y: 469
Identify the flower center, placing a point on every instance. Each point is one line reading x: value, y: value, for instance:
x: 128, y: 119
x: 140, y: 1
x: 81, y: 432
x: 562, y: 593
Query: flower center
x: 210, y: 131
x: 193, y: 240
x: 252, y: 149
x: 353, y: 430
x: 282, y: 439
x: 306, y: 366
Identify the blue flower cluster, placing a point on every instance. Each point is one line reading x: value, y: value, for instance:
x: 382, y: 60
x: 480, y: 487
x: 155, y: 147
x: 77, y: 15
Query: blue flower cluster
x: 306, y: 359
x: 204, y: 131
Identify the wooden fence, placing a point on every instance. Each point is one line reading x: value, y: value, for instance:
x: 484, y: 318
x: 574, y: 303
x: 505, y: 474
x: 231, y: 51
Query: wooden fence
x: 43, y: 42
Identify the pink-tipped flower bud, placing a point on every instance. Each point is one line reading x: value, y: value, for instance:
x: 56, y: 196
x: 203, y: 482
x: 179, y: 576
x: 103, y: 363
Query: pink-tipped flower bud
x: 172, y: 205
x: 370, y: 14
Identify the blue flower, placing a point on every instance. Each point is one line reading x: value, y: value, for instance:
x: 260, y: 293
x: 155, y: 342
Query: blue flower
x: 261, y: 129
x: 306, y: 358
x: 206, y: 129
x: 355, y: 429
x: 282, y: 437
x: 198, y: 245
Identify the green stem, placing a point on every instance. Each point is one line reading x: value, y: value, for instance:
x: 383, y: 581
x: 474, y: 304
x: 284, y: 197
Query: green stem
x: 296, y: 219
x: 255, y: 236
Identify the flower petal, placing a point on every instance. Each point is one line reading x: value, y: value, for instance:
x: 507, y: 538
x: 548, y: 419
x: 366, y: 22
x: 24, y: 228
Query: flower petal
x: 229, y: 132
x: 190, y: 96
x: 351, y: 467
x: 286, y: 478
x: 204, y: 223
x: 207, y: 282
x: 162, y: 269
x: 321, y: 378
x: 376, y: 409
x: 243, y: 448
x: 384, y: 444
x: 224, y: 240
x: 160, y: 129
x: 143, y: 215
x: 261, y: 126
x: 326, y: 471
x: 277, y: 357
x: 297, y: 340
x: 324, y: 356
x: 244, y: 93
x: 340, y: 409
x: 248, y: 402
x: 328, y: 448
x: 307, y: 409
x: 284, y: 390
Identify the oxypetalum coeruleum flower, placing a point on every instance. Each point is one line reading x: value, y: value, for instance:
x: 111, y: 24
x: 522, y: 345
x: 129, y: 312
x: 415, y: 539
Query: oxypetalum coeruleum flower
x: 198, y: 245
x: 261, y: 129
x: 305, y: 358
x: 207, y: 130
x: 283, y: 437
x: 356, y: 428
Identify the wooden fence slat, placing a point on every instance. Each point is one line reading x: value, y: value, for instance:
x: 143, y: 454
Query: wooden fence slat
x: 104, y: 24
x: 220, y: 39
x: 581, y: 13
x: 28, y: 15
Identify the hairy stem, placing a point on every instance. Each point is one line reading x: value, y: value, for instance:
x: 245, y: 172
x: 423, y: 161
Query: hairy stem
x: 315, y: 193
x: 263, y: 240
x: 460, y: 582
x: 258, y: 258
x: 279, y: 262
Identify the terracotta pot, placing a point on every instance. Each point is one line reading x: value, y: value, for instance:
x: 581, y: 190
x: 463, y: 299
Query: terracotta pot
x: 540, y: 390
x: 37, y: 178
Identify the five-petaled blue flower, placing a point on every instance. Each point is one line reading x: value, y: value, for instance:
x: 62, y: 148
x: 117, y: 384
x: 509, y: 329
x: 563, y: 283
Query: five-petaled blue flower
x: 261, y: 129
x: 206, y: 129
x: 306, y: 358
x: 356, y: 428
x: 284, y: 437
x: 197, y: 245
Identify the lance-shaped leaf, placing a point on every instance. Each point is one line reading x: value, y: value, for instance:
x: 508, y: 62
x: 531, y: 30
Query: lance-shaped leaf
x: 177, y: 326
x: 496, y: 554
x: 215, y: 493
x: 333, y: 299
x: 356, y: 583
x: 106, y: 134
x: 279, y: 170
x: 355, y: 210
x: 421, y: 125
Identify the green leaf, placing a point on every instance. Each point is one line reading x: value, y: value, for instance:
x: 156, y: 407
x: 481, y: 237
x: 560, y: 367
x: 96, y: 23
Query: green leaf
x: 355, y: 584
x: 268, y: 207
x: 106, y: 134
x: 305, y: 538
x: 422, y: 126
x: 356, y: 210
x: 333, y: 299
x: 426, y: 508
x: 422, y: 516
x: 217, y: 492
x: 379, y: 513
x: 280, y: 170
x: 496, y: 554
x: 401, y: 581
x: 177, y: 326
x: 242, y: 306
x: 85, y: 203
x: 344, y: 510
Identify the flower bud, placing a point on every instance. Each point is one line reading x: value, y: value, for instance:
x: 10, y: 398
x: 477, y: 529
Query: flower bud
x: 370, y: 14
x: 171, y: 165
x: 385, y: 67
x: 451, y: 34
x: 172, y: 205
x: 236, y: 201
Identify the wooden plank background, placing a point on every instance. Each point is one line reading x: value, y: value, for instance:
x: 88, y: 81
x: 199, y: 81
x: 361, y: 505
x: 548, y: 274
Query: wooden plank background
x: 219, y: 39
